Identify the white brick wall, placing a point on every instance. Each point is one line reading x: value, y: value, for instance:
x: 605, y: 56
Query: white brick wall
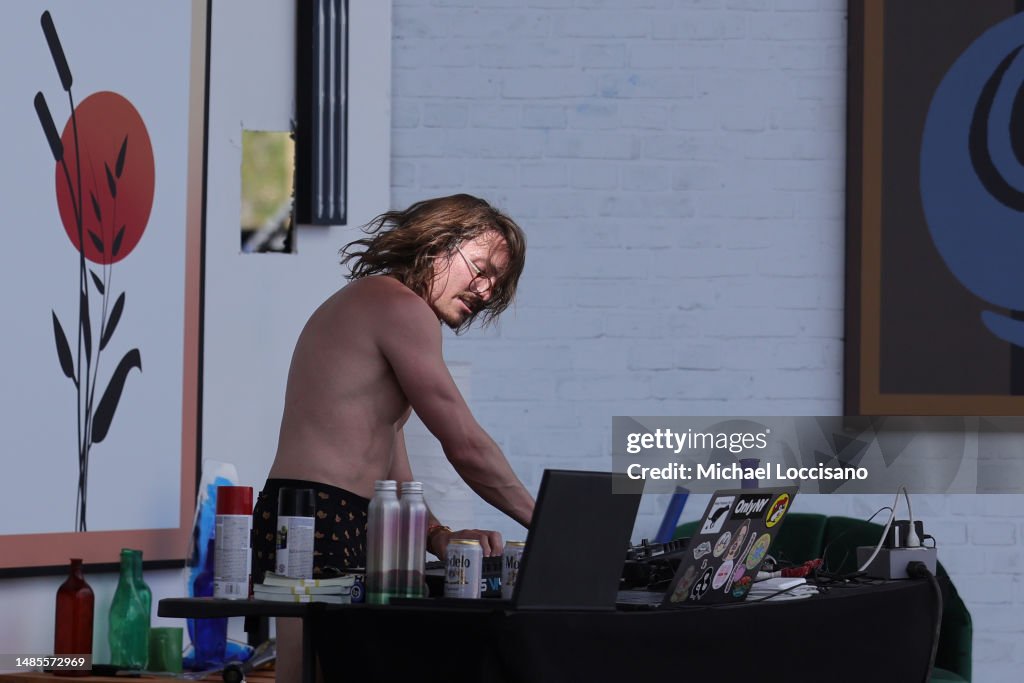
x: 678, y: 166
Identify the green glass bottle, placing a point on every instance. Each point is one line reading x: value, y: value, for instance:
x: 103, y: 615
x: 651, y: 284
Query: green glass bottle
x: 129, y: 621
x: 145, y: 594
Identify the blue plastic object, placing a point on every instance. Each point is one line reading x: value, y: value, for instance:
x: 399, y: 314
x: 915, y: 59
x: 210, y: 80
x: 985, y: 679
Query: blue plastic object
x: 672, y: 514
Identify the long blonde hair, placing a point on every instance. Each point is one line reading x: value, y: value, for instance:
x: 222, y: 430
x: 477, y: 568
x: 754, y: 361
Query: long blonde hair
x: 405, y: 244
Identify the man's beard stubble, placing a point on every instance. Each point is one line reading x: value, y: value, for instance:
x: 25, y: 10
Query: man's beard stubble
x: 472, y: 301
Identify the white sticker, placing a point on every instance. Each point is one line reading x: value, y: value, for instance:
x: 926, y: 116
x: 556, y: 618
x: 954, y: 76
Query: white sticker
x: 722, y: 575
x: 717, y: 515
x: 702, y: 585
x: 722, y: 543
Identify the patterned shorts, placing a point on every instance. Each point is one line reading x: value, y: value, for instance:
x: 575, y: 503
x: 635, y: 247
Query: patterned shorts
x: 339, y: 530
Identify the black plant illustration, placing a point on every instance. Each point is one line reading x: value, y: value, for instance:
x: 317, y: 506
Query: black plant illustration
x: 83, y: 366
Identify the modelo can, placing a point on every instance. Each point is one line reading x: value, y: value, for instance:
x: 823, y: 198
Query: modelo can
x: 510, y: 560
x: 464, y: 559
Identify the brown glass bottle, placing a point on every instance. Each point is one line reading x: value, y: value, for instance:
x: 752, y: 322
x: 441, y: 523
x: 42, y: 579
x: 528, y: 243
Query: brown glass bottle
x: 73, y: 623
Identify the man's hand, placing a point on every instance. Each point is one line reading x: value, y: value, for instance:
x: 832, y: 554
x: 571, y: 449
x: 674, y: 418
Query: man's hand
x: 490, y: 541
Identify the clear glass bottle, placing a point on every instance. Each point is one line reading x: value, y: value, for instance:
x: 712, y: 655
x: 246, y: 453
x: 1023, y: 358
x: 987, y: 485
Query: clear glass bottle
x: 382, y: 543
x: 72, y: 633
x: 128, y: 629
x: 412, y: 535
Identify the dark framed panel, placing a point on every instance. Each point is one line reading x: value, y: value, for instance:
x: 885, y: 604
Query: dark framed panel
x: 935, y: 208
x: 321, y: 105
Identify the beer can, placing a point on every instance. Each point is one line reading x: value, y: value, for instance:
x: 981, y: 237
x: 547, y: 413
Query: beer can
x: 510, y: 560
x: 464, y: 559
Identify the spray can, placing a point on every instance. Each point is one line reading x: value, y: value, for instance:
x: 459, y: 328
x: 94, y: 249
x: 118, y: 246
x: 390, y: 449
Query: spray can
x: 295, y: 523
x: 231, y: 572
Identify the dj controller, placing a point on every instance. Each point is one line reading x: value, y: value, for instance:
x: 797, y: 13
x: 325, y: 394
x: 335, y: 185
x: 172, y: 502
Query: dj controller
x: 652, y: 565
x: 647, y: 565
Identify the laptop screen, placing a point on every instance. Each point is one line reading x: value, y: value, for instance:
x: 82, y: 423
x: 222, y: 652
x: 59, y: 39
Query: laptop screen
x: 577, y: 542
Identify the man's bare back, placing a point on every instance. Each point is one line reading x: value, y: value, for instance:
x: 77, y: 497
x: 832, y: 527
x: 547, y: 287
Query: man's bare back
x: 344, y: 405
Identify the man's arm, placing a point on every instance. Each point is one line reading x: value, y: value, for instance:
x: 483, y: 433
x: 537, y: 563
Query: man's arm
x: 411, y: 341
x: 437, y: 541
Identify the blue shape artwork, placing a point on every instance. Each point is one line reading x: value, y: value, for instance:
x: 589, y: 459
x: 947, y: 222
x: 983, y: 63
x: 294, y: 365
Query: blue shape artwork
x: 972, y: 173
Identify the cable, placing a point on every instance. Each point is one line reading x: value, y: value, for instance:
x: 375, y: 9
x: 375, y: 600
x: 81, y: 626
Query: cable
x: 806, y: 569
x: 919, y: 570
x: 885, y: 531
x: 824, y: 571
x: 912, y: 540
x: 781, y: 591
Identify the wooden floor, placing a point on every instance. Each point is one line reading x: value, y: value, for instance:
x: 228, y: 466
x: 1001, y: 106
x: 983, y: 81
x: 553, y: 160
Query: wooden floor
x: 260, y: 676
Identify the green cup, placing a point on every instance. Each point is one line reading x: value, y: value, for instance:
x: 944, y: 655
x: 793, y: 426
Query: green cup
x: 165, y: 649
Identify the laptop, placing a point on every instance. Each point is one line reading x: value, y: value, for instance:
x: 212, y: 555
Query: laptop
x: 575, y: 548
x: 727, y: 549
x: 577, y: 542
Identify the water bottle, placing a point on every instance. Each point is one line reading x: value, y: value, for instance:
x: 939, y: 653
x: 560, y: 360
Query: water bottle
x: 382, y: 543
x: 412, y: 554
x: 209, y: 636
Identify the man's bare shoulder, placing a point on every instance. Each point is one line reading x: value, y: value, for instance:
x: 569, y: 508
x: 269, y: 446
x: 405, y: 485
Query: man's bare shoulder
x: 386, y: 299
x: 380, y: 289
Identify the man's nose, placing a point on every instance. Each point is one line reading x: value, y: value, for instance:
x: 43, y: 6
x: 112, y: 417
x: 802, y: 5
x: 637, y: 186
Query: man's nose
x: 483, y: 288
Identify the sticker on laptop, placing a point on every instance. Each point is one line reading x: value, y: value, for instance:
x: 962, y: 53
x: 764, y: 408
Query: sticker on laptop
x: 722, y: 575
x: 717, y: 515
x: 757, y: 553
x: 777, y: 510
x: 702, y: 550
x: 741, y: 587
x: 752, y: 506
x: 737, y: 540
x: 746, y: 551
x: 737, y: 574
x: 701, y: 586
x: 683, y: 587
x: 722, y: 543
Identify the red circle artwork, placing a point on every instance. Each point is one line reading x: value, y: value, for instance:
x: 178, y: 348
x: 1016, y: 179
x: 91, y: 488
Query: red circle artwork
x: 117, y: 176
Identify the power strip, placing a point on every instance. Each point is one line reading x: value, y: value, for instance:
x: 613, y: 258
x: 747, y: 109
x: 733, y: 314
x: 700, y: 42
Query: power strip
x: 891, y: 563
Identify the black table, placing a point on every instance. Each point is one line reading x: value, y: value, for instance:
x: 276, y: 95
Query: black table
x: 205, y: 608
x: 877, y: 633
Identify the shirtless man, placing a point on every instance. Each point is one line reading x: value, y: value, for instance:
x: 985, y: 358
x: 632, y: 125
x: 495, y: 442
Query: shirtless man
x: 370, y: 354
